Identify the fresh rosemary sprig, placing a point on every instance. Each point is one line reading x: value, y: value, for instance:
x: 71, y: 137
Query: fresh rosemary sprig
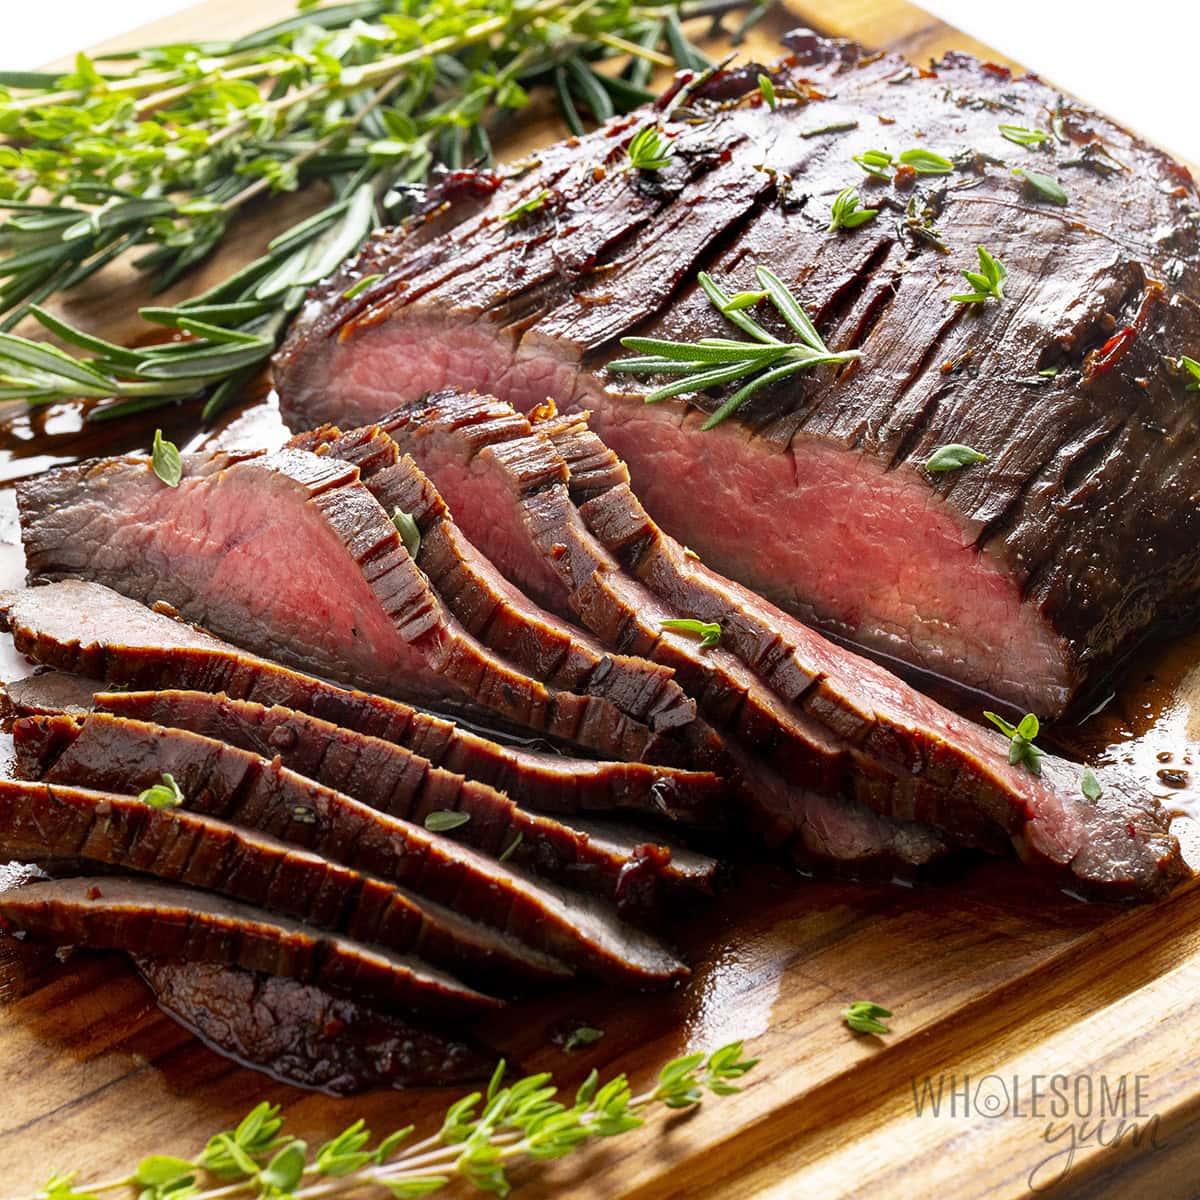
x: 711, y: 362
x: 159, y: 150
x: 481, y: 1137
x: 1022, y: 749
x: 650, y: 149
x: 988, y: 281
x: 846, y: 211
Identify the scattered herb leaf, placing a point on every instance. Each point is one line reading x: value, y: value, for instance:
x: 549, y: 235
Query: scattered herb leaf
x: 875, y: 162
x: 525, y: 207
x: 650, y: 149
x: 832, y: 127
x: 1043, y: 185
x: 741, y: 300
x: 357, y: 288
x: 1192, y: 367
x: 166, y: 794
x: 1089, y: 785
x: 410, y: 535
x: 444, y: 820
x: 953, y: 456
x: 865, y: 1017
x: 1024, y: 136
x: 165, y: 460
x: 926, y: 162
x: 846, y: 212
x: 988, y: 281
x: 1049, y: 372
x: 709, y: 632
x: 512, y: 847
x: 585, y: 1035
x: 1022, y: 749
x: 767, y: 89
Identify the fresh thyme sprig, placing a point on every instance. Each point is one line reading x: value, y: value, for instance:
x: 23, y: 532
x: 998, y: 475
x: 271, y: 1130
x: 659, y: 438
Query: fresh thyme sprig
x: 846, y: 212
x: 160, y: 149
x: 711, y: 362
x: 988, y: 281
x: 481, y: 1137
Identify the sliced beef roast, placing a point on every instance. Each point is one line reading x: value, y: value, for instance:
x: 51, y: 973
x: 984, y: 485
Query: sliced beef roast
x: 829, y: 720
x: 308, y: 1037
x: 111, y: 754
x: 488, y: 605
x: 164, y: 920
x: 38, y: 820
x: 290, y: 555
x: 90, y: 629
x: 1026, y: 575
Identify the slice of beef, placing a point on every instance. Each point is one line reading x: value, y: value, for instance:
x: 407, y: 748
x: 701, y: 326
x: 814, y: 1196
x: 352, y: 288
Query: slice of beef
x: 112, y: 754
x: 165, y: 920
x: 487, y: 459
x: 290, y: 555
x: 394, y: 781
x: 307, y: 1037
x: 488, y: 605
x: 42, y: 819
x: 1026, y: 576
x: 86, y: 628
x: 836, y: 723
x: 1048, y: 818
x: 50, y: 692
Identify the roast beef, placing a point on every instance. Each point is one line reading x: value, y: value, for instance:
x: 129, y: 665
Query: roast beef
x: 488, y: 605
x: 290, y: 555
x: 835, y: 723
x: 87, y: 628
x: 241, y: 788
x: 1027, y: 575
x: 40, y: 820
x: 308, y: 1037
x: 165, y: 920
x: 374, y: 772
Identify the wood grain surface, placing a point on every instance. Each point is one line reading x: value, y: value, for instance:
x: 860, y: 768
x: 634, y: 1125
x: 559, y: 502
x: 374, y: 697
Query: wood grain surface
x: 997, y: 982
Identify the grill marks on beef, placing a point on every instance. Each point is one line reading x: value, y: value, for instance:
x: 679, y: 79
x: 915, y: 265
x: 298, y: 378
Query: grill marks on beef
x: 290, y: 555
x: 987, y: 576
x: 41, y: 819
x: 119, y: 755
x: 491, y: 608
x: 164, y: 920
x: 393, y: 781
x: 307, y: 1037
x: 88, y: 629
x: 836, y: 724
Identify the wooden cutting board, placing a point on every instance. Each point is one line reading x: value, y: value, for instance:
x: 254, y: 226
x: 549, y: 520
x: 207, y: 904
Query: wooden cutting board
x: 998, y: 984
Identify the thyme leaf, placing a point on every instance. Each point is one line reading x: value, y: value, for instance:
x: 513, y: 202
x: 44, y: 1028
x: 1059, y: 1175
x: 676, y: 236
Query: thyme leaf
x: 166, y: 794
x: 767, y: 89
x: 443, y: 820
x: 1022, y: 749
x: 846, y: 211
x: 1089, y: 785
x: 988, y: 281
x: 585, y: 1035
x: 709, y: 632
x: 875, y: 162
x: 1022, y: 135
x: 953, y: 456
x: 926, y: 162
x: 165, y: 460
x: 1042, y: 185
x: 410, y: 535
x: 1192, y: 367
x: 525, y: 207
x: 864, y: 1016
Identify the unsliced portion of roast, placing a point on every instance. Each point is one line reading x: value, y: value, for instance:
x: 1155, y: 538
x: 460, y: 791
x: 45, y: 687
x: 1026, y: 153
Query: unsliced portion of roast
x: 374, y: 772
x: 111, y: 754
x: 306, y: 1036
x: 853, y: 730
x: 1027, y: 575
x: 90, y: 629
x: 488, y: 605
x: 289, y: 555
x: 139, y: 916
x: 40, y: 820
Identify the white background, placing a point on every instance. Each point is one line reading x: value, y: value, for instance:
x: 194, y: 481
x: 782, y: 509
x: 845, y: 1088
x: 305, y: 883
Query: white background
x: 1139, y: 60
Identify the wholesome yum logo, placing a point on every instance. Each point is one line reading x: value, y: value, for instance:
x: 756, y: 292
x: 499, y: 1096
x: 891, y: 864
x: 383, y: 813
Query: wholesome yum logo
x: 1078, y: 1112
